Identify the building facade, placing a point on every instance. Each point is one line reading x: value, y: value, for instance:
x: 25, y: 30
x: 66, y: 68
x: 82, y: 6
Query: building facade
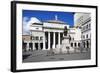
x: 75, y: 41
x: 83, y: 21
x: 49, y: 34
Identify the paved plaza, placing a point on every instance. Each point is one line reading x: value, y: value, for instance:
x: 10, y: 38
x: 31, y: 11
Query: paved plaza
x: 44, y: 55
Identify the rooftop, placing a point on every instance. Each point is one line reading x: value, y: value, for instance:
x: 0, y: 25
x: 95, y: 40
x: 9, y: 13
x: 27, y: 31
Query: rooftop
x: 55, y: 21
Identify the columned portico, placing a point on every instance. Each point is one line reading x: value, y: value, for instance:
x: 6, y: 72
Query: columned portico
x: 48, y: 35
x: 53, y: 41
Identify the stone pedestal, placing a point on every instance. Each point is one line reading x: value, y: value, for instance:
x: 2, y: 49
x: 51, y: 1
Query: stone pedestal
x: 66, y: 48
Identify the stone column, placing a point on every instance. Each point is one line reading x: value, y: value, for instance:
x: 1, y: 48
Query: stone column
x: 59, y: 39
x: 27, y: 48
x: 48, y: 40
x: 33, y: 45
x: 53, y: 40
x: 44, y: 45
x: 39, y: 46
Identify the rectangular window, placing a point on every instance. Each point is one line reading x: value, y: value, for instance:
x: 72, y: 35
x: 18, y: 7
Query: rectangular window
x: 41, y: 38
x: 87, y: 36
x: 37, y: 38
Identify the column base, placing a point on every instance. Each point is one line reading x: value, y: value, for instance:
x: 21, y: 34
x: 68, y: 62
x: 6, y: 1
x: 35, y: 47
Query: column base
x: 53, y: 46
x: 58, y: 46
x: 44, y: 49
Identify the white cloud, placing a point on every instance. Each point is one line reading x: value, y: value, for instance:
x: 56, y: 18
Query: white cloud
x: 27, y: 22
x: 34, y: 20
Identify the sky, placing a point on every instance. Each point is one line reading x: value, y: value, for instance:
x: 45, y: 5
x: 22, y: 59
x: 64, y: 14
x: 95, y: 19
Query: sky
x: 40, y: 16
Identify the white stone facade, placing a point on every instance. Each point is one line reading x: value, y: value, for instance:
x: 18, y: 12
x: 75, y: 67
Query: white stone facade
x: 83, y: 20
x: 50, y: 34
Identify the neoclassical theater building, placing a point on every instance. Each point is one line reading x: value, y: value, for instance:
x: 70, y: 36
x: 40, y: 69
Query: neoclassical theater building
x: 49, y: 35
x: 46, y: 35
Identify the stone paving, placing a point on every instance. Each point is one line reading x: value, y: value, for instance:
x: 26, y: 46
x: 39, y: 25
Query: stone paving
x: 42, y: 55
